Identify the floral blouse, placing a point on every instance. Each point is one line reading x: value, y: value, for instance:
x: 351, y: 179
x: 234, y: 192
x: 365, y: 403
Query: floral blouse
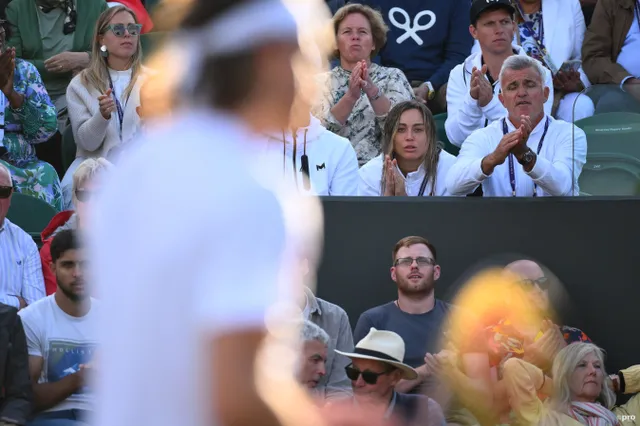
x: 363, y: 128
x: 532, y: 25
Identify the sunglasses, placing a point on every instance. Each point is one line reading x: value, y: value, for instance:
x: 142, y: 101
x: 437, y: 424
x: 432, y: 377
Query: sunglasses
x: 6, y: 191
x: 118, y: 29
x: 542, y: 282
x: 369, y: 377
x: 83, y: 195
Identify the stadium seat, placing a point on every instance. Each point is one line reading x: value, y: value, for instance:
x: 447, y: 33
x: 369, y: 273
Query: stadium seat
x: 613, y: 155
x: 442, y: 134
x: 68, y: 148
x: 31, y: 214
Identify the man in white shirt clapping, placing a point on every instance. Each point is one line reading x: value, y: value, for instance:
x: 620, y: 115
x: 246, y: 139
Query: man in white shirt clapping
x: 526, y: 153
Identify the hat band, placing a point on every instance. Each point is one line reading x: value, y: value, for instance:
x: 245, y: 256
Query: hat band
x: 376, y: 354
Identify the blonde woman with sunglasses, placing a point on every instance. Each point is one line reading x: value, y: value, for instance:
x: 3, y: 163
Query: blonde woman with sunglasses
x: 103, y: 98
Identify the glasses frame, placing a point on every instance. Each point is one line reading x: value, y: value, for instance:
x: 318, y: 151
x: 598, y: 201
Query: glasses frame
x: 429, y: 261
x: 112, y: 28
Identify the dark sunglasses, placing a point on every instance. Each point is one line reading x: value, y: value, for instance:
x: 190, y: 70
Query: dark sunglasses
x: 369, y: 377
x: 5, y: 191
x: 542, y: 282
x: 83, y: 195
x: 118, y: 29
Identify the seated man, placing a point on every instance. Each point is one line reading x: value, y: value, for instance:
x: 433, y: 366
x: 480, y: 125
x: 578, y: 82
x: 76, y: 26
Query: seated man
x: 376, y: 368
x: 610, y: 54
x: 61, y: 340
x: 312, y: 363
x: 15, y: 401
x: 21, y: 281
x: 472, y: 91
x: 526, y: 153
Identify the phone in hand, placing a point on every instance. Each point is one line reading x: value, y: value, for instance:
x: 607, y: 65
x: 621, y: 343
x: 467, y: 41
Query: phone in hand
x: 572, y: 65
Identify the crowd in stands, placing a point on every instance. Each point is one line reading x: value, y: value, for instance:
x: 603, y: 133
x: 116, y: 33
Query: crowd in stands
x: 512, y: 77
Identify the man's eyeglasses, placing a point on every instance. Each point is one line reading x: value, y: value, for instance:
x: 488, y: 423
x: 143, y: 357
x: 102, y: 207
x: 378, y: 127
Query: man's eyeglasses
x: 118, y: 29
x: 542, y: 282
x: 369, y: 377
x: 83, y: 195
x: 421, y: 261
x: 6, y: 191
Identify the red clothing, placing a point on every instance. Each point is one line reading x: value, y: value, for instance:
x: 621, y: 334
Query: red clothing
x: 141, y: 13
x: 50, y: 284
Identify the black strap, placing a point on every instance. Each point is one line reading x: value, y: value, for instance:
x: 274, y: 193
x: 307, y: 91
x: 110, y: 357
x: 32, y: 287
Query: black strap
x: 118, y: 106
x: 370, y: 352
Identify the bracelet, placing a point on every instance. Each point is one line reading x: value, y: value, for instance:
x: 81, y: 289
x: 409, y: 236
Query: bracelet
x: 544, y: 378
x: 377, y: 96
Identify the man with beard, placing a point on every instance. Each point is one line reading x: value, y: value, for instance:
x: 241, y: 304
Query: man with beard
x: 417, y: 316
x: 61, y: 340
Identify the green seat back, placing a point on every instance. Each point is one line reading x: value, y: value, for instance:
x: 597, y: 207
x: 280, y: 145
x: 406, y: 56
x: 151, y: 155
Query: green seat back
x: 151, y: 41
x: 613, y: 155
x: 442, y: 134
x: 68, y: 148
x: 30, y: 213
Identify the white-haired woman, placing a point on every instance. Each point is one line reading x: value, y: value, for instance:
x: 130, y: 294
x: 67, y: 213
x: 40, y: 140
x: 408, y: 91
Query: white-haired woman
x: 579, y: 394
x: 103, y: 98
x: 85, y: 186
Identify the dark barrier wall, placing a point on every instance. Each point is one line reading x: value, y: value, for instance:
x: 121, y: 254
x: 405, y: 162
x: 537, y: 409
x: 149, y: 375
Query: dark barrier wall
x: 591, y: 245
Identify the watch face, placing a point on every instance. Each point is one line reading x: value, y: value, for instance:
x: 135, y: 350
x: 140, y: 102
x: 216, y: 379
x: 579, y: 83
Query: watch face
x: 528, y: 157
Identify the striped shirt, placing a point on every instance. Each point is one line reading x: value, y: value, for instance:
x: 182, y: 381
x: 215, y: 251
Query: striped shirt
x: 20, y: 267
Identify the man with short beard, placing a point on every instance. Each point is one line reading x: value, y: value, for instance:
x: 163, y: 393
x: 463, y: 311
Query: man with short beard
x: 61, y: 340
x: 417, y: 316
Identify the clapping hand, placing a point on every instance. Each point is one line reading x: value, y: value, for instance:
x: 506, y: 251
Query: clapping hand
x: 480, y: 89
x: 394, y: 183
x: 107, y: 104
x: 7, y: 70
x: 542, y: 352
x: 568, y: 81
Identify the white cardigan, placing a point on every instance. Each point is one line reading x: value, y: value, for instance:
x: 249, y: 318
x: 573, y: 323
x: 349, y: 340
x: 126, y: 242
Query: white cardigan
x: 95, y: 136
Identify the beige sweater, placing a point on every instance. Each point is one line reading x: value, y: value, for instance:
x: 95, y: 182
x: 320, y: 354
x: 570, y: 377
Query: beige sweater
x: 95, y: 136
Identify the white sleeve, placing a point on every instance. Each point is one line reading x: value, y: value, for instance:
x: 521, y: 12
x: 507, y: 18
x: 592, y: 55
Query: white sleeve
x: 31, y: 332
x: 344, y: 181
x: 240, y: 278
x: 466, y: 174
x: 556, y: 176
x: 580, y: 29
x: 548, y: 106
x: 368, y: 187
x: 463, y: 114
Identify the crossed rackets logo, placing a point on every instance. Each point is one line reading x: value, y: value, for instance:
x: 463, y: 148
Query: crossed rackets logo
x: 411, y: 28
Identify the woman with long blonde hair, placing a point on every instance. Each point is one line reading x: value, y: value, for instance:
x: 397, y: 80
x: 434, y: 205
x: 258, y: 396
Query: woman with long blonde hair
x: 104, y: 97
x: 412, y: 161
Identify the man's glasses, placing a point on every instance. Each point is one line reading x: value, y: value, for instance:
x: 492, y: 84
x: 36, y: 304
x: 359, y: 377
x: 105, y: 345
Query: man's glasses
x: 83, y: 195
x: 369, y: 377
x: 542, y: 282
x: 118, y: 29
x: 421, y: 261
x: 6, y: 191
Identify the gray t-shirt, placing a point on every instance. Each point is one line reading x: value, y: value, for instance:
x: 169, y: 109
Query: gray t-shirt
x: 54, y: 41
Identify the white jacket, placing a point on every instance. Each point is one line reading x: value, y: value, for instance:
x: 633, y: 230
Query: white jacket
x: 564, y: 30
x: 371, y: 174
x: 555, y: 173
x: 333, y: 165
x: 464, y: 114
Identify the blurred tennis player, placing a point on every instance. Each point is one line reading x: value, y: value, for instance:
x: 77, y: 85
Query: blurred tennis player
x: 187, y: 246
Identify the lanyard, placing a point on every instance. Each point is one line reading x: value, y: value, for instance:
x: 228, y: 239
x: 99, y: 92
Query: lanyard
x: 118, y: 107
x: 512, y: 172
x: 538, y: 38
x: 423, y: 186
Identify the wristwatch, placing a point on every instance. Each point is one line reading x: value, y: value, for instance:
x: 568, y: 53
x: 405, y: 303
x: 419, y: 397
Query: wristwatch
x: 431, y: 93
x: 527, y: 157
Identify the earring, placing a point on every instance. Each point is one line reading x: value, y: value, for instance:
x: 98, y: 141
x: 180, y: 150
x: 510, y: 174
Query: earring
x: 103, y: 51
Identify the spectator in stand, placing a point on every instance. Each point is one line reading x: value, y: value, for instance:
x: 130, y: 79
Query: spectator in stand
x: 335, y: 322
x: 417, y: 316
x: 27, y: 118
x: 412, y: 161
x: 309, y: 156
x: 474, y: 85
x: 610, y: 54
x: 86, y: 185
x: 334, y: 5
x: 15, y: 400
x: 55, y: 36
x: 62, y: 341
x: 104, y: 97
x: 357, y: 94
x: 549, y: 153
x: 588, y: 7
x: 21, y: 282
x: 376, y: 369
x: 552, y: 32
x: 580, y: 392
x: 139, y: 10
x: 427, y: 39
x: 313, y: 358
